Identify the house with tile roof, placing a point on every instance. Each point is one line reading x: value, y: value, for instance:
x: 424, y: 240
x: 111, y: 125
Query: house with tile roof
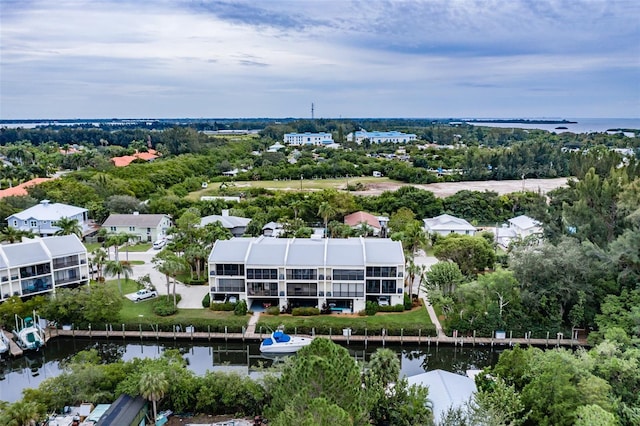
x: 40, y: 265
x: 125, y: 160
x: 145, y: 227
x: 446, y: 224
x: 355, y: 221
x: 21, y: 190
x: 41, y: 219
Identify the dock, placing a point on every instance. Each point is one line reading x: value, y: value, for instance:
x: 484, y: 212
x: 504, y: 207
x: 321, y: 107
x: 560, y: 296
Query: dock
x: 14, y: 349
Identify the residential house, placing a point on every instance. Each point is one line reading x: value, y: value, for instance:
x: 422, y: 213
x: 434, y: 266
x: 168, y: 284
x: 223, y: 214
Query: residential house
x: 272, y: 229
x: 125, y: 160
x: 343, y: 273
x: 519, y: 227
x: 21, y: 189
x: 126, y: 411
x: 446, y: 390
x: 446, y: 224
x: 41, y: 219
x: 317, y: 139
x: 355, y: 221
x: 237, y: 225
x: 40, y: 265
x: 144, y: 227
x: 381, y: 137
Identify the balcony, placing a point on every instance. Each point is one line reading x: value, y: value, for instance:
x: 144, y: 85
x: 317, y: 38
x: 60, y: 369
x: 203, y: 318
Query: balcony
x: 60, y: 265
x: 231, y: 289
x: 348, y: 294
x: 270, y: 293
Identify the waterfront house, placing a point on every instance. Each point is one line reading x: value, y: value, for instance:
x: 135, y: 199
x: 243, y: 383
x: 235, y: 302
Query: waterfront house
x: 40, y: 265
x: 126, y: 411
x: 41, y: 219
x: 446, y: 224
x: 144, y: 227
x: 343, y: 273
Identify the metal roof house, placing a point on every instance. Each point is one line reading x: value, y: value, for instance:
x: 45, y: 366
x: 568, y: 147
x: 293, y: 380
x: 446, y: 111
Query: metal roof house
x: 236, y: 224
x: 41, y: 218
x: 40, y: 265
x: 446, y: 224
x: 341, y: 273
x: 125, y: 411
x: 446, y: 390
x: 146, y: 227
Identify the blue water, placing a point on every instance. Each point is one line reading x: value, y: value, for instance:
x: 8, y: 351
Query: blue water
x: 583, y: 125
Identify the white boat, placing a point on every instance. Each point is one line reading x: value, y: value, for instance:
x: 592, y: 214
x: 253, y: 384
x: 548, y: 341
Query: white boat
x: 29, y: 336
x: 281, y: 343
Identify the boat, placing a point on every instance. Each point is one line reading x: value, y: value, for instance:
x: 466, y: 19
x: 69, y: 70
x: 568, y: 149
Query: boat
x: 281, y: 343
x: 29, y: 336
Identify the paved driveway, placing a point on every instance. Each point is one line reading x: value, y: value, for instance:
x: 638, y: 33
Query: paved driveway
x: 192, y: 295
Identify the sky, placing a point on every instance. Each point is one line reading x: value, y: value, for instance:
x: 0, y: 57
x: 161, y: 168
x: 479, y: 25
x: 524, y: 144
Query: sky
x: 270, y: 58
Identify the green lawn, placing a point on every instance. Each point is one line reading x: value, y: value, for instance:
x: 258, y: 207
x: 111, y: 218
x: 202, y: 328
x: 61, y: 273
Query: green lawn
x: 411, y: 323
x: 92, y: 246
x: 141, y: 247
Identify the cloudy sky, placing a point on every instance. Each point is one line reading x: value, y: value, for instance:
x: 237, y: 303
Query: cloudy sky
x: 272, y: 58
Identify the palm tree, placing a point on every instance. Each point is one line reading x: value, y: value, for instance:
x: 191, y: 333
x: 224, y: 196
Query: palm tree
x: 98, y: 260
x: 170, y: 265
x: 13, y: 235
x: 414, y: 238
x: 153, y: 386
x: 326, y: 211
x: 21, y: 413
x: 68, y: 226
x: 116, y: 240
x: 117, y: 268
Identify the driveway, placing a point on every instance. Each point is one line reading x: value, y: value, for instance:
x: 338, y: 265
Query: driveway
x: 192, y: 295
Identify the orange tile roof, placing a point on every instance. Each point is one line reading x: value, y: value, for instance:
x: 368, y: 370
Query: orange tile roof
x: 21, y: 189
x: 355, y: 219
x: 125, y: 160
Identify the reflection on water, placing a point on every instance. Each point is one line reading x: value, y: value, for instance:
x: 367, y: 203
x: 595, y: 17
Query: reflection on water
x: 30, y: 370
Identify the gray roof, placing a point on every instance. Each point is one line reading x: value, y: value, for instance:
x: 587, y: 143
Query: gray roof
x: 48, y: 211
x: 344, y: 252
x: 446, y: 389
x: 446, y: 222
x: 337, y: 252
x: 524, y: 222
x: 25, y: 253
x: 228, y: 222
x: 382, y: 251
x: 233, y: 250
x: 64, y: 245
x: 140, y: 220
x: 306, y: 252
x: 267, y: 251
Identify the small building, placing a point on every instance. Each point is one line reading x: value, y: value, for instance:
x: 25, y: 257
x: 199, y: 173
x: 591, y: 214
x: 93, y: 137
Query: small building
x: 145, y: 227
x: 446, y: 390
x: 41, y: 219
x: 236, y: 224
x: 381, y: 137
x: 272, y: 229
x: 525, y: 226
x: 125, y: 411
x: 446, y: 224
x: 40, y: 265
x: 355, y: 221
x: 316, y: 139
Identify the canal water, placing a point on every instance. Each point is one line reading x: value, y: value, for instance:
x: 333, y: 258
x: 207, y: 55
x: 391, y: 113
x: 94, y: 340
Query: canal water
x: 31, y: 369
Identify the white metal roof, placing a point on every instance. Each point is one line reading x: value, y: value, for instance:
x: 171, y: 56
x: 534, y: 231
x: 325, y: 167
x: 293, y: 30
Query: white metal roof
x: 48, y: 211
x: 64, y: 245
x: 232, y: 251
x: 446, y: 389
x: 25, y: 253
x: 141, y: 220
x: 524, y: 222
x: 446, y: 222
x: 228, y: 222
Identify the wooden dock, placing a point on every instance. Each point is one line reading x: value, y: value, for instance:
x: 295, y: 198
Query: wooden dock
x: 14, y: 349
x: 362, y: 339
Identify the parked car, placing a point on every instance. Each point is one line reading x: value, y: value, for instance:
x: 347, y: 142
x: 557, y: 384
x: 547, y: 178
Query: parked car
x: 157, y: 245
x: 383, y: 301
x: 145, y: 294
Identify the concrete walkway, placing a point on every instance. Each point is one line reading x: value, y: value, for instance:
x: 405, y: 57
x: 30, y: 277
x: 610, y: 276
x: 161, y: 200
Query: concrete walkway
x: 251, y: 326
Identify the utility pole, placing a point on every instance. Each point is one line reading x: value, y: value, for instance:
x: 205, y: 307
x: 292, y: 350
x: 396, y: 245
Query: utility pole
x: 312, y: 110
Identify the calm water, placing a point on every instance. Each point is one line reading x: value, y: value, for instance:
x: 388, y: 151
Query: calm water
x: 30, y: 370
x: 583, y: 125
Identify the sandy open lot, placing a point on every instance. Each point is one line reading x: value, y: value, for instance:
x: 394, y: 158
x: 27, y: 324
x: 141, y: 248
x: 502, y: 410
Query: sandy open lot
x: 446, y: 189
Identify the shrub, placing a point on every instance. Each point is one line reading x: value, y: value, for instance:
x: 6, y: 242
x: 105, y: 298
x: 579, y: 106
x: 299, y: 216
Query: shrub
x: 226, y: 306
x: 273, y: 310
x: 206, y: 300
x: 407, y: 302
x: 370, y: 308
x: 305, y: 312
x: 164, y: 306
x: 240, y: 308
x: 395, y: 308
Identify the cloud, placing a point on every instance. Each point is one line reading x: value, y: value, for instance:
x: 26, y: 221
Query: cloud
x: 364, y: 58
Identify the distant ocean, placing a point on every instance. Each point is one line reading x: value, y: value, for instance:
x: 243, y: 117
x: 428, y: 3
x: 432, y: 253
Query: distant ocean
x: 582, y: 125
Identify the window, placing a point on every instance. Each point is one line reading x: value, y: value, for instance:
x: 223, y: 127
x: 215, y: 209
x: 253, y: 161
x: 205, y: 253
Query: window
x: 388, y: 286
x: 230, y: 285
x: 302, y: 274
x: 373, y: 286
x: 112, y: 229
x: 15, y: 223
x: 348, y: 274
x: 262, y: 274
x: 229, y: 269
x: 302, y: 289
x: 33, y: 223
x: 348, y: 290
x: 132, y: 228
x: 381, y: 271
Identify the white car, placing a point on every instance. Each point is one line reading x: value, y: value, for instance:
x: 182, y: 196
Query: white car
x: 383, y: 301
x: 157, y: 245
x: 144, y: 294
